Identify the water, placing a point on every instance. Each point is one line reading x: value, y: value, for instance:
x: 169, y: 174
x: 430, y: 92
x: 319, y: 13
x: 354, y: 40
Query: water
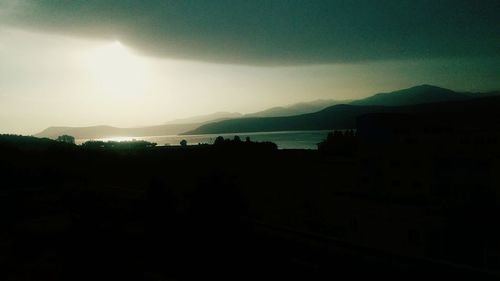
x: 284, y: 140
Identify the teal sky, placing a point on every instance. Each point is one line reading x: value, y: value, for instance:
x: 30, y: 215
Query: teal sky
x: 134, y: 63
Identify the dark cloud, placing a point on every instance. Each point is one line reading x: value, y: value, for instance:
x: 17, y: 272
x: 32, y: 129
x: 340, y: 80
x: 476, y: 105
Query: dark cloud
x: 272, y: 32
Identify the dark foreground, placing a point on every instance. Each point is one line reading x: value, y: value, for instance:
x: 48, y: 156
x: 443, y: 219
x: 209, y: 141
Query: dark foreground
x: 244, y: 211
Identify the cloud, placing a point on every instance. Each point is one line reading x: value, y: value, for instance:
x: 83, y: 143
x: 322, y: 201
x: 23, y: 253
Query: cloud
x: 277, y: 32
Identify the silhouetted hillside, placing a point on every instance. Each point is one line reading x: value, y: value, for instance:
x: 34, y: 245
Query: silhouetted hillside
x: 337, y: 116
x: 418, y: 95
x: 344, y: 117
x: 217, y: 116
x: 173, y: 127
x: 179, y: 126
x: 296, y: 109
x: 28, y: 143
x: 108, y: 131
x: 293, y: 117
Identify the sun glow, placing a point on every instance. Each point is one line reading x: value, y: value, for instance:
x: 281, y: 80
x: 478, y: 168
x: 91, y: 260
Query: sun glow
x: 116, y: 71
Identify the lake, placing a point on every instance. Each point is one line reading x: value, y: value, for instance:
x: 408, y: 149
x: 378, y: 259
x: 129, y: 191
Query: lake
x: 284, y: 139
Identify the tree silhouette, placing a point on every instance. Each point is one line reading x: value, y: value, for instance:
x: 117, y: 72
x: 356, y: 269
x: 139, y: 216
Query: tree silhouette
x: 219, y: 140
x: 183, y: 143
x: 66, y: 139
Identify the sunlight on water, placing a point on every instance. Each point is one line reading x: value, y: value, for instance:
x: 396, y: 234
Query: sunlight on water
x: 119, y: 139
x: 284, y: 140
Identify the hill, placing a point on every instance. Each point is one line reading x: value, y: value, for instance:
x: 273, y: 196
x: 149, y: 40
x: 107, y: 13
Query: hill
x: 296, y: 109
x: 474, y: 112
x: 178, y: 126
x: 217, y: 116
x: 418, y: 95
x: 292, y: 117
x: 97, y: 132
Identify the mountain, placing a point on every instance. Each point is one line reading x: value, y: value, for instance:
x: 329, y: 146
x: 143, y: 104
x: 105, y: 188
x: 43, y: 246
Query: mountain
x: 288, y: 110
x: 300, y: 116
x: 178, y: 126
x: 337, y: 116
x: 97, y: 132
x: 344, y: 117
x: 296, y: 109
x: 418, y: 95
x: 217, y: 116
x: 173, y: 127
x: 340, y: 116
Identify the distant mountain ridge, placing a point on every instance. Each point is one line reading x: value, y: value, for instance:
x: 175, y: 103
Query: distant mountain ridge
x: 178, y: 126
x: 217, y: 116
x: 416, y: 95
x: 301, y: 116
x: 344, y: 116
x: 296, y: 109
x: 98, y: 132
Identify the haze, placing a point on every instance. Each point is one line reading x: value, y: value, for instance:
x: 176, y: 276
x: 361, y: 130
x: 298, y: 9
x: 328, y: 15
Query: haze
x: 126, y: 63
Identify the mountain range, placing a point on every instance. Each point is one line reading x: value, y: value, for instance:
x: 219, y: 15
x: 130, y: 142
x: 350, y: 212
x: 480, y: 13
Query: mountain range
x: 296, y: 109
x: 478, y: 112
x: 179, y: 126
x: 315, y: 115
x: 98, y: 132
x: 343, y: 116
x: 217, y: 116
x: 418, y: 95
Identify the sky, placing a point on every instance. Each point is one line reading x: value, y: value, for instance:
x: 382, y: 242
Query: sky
x: 136, y: 63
